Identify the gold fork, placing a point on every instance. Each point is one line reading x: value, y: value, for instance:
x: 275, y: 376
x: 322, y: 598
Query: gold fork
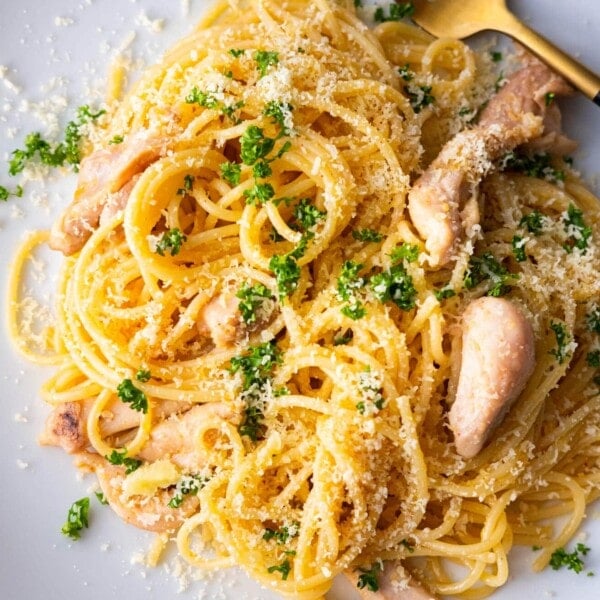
x: 462, y: 18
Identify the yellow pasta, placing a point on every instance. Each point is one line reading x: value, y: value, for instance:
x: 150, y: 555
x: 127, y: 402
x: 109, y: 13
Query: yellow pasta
x: 291, y: 140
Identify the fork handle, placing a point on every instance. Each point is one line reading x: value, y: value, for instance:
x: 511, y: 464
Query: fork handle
x: 573, y: 71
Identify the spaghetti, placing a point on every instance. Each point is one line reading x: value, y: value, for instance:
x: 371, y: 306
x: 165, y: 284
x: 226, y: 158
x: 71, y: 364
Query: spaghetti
x: 255, y: 352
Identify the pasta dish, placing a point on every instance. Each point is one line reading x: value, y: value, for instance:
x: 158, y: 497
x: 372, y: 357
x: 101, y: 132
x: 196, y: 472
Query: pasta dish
x: 329, y: 304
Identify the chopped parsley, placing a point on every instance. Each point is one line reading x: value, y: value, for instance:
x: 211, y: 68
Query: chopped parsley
x: 396, y: 12
x: 117, y: 139
x: 259, y: 193
x: 255, y: 145
x: 592, y: 319
x: 579, y: 233
x: 407, y: 252
x: 101, y: 497
x: 286, y: 269
x: 343, y: 339
x: 231, y: 172
x: 5, y: 194
x: 518, y: 248
x: 204, y: 99
x: 188, y: 181
x: 236, y: 52
x: 395, y: 284
x: 121, y: 459
x: 67, y: 151
x: 133, y: 396
x: 252, y: 297
x: 171, y: 240
x: 143, y: 375
x: 419, y: 96
x: 287, y: 273
x: 307, y: 214
x: 188, y: 485
x: 261, y: 169
x: 209, y: 100
x: 284, y: 568
x: 496, y: 56
x: 486, y: 267
x: 561, y: 352
x: 407, y: 545
x: 278, y: 111
x: 533, y: 222
x: 549, y: 98
x: 443, y: 293
x: 77, y: 518
x: 264, y: 60
x: 256, y: 368
x: 593, y: 358
x: 572, y: 560
x: 367, y: 235
x: 537, y: 165
x: 370, y: 389
x: 349, y: 283
x: 283, y: 534
x: 406, y: 73
x: 369, y: 578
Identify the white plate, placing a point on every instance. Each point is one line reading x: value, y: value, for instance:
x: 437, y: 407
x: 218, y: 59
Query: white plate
x: 63, y: 47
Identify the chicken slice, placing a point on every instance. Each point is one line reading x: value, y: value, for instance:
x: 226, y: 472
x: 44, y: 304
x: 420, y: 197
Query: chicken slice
x: 176, y: 437
x: 151, y: 513
x: 395, y: 583
x: 517, y: 114
x: 66, y: 425
x: 221, y: 320
x: 498, y: 357
x: 102, y: 173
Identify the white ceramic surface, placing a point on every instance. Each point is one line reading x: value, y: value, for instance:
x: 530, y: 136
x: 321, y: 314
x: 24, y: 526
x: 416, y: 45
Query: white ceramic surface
x: 61, y: 48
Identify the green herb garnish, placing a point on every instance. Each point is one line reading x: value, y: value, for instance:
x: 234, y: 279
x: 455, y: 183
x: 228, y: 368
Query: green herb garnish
x: 264, y: 60
x: 121, y: 459
x: 171, y: 240
x: 252, y: 297
x: 77, y: 518
x: 133, y: 396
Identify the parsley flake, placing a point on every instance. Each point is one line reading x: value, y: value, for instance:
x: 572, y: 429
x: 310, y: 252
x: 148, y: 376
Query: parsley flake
x: 396, y: 12
x: 396, y: 285
x: 486, y: 267
x: 369, y: 578
x: 133, y: 396
x: 367, y: 235
x: 419, y: 96
x: 284, y: 568
x: 121, y: 459
x: 265, y: 59
x: 562, y: 350
x: 255, y: 145
x: 252, y: 297
x: 231, y: 172
x: 579, y: 233
x: 77, y: 518
x: 5, y: 194
x: 171, y: 240
x: 572, y: 560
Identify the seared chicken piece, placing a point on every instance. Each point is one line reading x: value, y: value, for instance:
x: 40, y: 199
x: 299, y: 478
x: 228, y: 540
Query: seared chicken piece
x: 103, y: 173
x: 498, y: 357
x: 442, y: 202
